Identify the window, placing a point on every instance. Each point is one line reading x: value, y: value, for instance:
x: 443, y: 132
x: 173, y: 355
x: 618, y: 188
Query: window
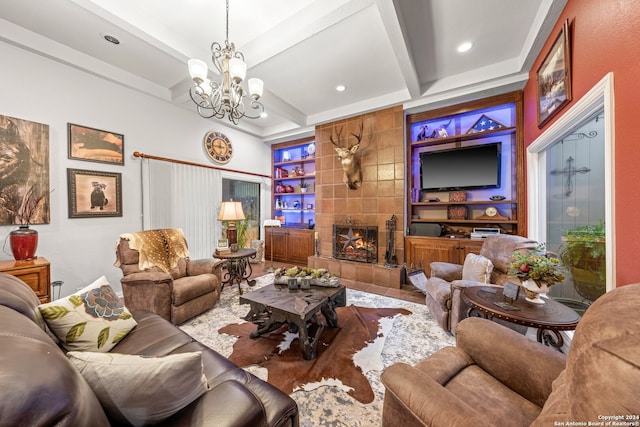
x: 248, y: 193
x: 570, y: 181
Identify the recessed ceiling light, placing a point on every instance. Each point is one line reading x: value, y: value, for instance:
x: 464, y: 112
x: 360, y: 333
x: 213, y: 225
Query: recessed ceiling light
x: 341, y: 88
x: 110, y: 39
x: 264, y: 114
x: 464, y: 47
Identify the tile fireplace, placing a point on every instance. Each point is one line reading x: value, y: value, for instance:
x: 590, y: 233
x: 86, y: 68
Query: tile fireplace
x: 354, y: 242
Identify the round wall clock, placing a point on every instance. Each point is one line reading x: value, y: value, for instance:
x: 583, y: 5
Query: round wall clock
x: 218, y: 147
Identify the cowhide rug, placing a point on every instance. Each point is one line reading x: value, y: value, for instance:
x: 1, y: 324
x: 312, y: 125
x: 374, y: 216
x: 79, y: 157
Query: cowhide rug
x: 345, y: 353
x: 411, y: 338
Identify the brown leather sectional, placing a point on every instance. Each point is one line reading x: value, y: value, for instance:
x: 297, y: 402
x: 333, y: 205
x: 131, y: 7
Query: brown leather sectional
x: 40, y: 387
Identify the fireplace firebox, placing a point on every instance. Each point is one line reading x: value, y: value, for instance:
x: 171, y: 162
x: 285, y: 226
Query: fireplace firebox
x: 353, y: 242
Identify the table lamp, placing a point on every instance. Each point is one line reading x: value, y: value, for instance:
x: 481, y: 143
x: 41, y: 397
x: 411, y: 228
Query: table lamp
x: 231, y: 211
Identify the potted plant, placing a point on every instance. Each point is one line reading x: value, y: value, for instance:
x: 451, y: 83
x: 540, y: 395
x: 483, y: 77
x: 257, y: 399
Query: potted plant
x: 304, y: 187
x: 583, y: 251
x: 24, y: 240
x: 536, y: 271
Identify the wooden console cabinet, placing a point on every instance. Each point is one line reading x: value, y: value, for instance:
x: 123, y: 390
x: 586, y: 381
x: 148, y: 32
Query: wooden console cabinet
x: 293, y: 245
x: 425, y: 250
x: 36, y: 273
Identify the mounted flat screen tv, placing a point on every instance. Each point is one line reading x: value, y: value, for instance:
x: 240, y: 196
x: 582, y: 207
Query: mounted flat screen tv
x: 473, y: 167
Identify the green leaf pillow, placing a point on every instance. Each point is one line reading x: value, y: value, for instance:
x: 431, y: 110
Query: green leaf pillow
x: 92, y: 319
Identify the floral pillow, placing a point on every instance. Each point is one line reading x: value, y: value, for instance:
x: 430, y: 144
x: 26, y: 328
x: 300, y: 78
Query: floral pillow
x: 92, y: 319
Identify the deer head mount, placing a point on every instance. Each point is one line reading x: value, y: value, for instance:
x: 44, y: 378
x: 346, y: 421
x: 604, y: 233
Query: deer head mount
x: 350, y: 163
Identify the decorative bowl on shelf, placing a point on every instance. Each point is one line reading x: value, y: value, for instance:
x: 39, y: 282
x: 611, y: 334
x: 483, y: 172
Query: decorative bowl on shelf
x: 497, y: 198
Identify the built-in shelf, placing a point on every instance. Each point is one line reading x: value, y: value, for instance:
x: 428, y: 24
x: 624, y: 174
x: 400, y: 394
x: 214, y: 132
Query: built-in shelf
x: 461, y: 138
x: 430, y: 225
x: 467, y: 202
x: 300, y: 157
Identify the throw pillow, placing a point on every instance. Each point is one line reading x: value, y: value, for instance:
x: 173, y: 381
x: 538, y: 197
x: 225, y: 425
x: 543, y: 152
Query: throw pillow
x: 477, y: 268
x: 92, y: 319
x: 142, y: 390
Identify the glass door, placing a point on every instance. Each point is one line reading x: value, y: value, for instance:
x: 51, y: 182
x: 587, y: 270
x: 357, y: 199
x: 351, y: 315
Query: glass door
x: 248, y: 193
x: 575, y: 205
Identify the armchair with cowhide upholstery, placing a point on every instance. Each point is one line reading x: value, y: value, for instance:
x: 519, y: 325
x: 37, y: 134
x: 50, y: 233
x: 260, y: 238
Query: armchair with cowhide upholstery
x: 443, y: 290
x: 159, y: 276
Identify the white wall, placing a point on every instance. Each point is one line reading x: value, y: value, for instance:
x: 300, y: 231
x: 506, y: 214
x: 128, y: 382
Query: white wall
x: 41, y: 90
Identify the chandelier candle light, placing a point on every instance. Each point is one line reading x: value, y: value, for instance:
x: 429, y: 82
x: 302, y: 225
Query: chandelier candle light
x: 226, y: 97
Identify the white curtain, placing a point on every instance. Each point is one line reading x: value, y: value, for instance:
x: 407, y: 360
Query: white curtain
x: 183, y: 196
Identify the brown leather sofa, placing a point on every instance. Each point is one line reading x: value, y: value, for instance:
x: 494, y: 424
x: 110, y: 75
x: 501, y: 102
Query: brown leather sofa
x: 443, y: 287
x: 40, y: 387
x: 497, y: 377
x: 177, y: 293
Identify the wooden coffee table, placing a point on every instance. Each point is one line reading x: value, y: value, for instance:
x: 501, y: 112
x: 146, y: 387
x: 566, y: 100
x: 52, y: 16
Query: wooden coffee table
x: 549, y: 318
x: 275, y: 305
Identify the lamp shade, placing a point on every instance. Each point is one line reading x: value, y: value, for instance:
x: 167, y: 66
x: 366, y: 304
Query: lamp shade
x: 256, y: 87
x: 237, y: 69
x: 198, y: 70
x: 231, y: 211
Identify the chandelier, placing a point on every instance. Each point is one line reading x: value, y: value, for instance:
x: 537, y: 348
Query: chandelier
x: 226, y: 97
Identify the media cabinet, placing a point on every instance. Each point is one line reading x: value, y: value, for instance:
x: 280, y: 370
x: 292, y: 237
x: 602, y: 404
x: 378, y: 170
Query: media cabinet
x: 489, y: 120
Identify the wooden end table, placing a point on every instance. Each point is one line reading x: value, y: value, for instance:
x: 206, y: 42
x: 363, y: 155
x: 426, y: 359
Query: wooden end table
x: 236, y: 264
x: 274, y: 305
x: 549, y: 318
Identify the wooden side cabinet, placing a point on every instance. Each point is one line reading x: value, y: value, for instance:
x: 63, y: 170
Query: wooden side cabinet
x: 292, y: 245
x: 36, y: 273
x: 425, y: 250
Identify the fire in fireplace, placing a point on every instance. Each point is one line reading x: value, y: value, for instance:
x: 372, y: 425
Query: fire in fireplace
x: 354, y: 242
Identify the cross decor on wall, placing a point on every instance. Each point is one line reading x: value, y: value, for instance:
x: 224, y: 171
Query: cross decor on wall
x: 569, y: 172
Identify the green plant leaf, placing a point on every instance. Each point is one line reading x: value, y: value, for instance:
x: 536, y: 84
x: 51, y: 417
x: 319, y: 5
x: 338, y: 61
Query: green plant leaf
x: 54, y: 312
x: 75, y: 332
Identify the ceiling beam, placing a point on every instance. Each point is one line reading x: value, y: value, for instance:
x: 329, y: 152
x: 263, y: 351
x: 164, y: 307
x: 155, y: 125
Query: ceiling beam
x: 391, y: 22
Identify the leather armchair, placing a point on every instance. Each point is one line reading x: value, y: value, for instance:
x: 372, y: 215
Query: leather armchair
x: 443, y: 287
x: 495, y: 376
x: 164, y: 280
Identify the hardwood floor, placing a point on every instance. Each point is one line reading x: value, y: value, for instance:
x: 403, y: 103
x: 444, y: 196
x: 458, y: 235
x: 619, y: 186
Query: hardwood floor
x: 406, y: 293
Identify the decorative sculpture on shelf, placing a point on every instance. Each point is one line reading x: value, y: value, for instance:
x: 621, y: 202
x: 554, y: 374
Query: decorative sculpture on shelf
x: 350, y: 163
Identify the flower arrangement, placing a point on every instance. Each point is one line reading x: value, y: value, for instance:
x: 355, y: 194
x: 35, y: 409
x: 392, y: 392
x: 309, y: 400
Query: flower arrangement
x: 537, y: 266
x: 317, y: 276
x: 31, y: 208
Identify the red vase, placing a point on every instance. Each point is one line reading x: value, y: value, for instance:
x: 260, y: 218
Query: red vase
x: 24, y: 242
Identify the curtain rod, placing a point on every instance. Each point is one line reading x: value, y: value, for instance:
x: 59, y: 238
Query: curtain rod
x: 182, y: 162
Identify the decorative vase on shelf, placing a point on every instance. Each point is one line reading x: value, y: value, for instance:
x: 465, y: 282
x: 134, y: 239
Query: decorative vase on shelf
x: 24, y: 242
x: 533, y: 291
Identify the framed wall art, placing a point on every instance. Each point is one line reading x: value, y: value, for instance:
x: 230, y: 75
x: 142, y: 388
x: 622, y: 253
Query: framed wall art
x: 24, y: 172
x: 95, y: 145
x: 554, y: 77
x: 94, y: 194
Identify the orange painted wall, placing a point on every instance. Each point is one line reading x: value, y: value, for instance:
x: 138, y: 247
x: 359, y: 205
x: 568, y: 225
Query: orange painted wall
x: 606, y: 38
